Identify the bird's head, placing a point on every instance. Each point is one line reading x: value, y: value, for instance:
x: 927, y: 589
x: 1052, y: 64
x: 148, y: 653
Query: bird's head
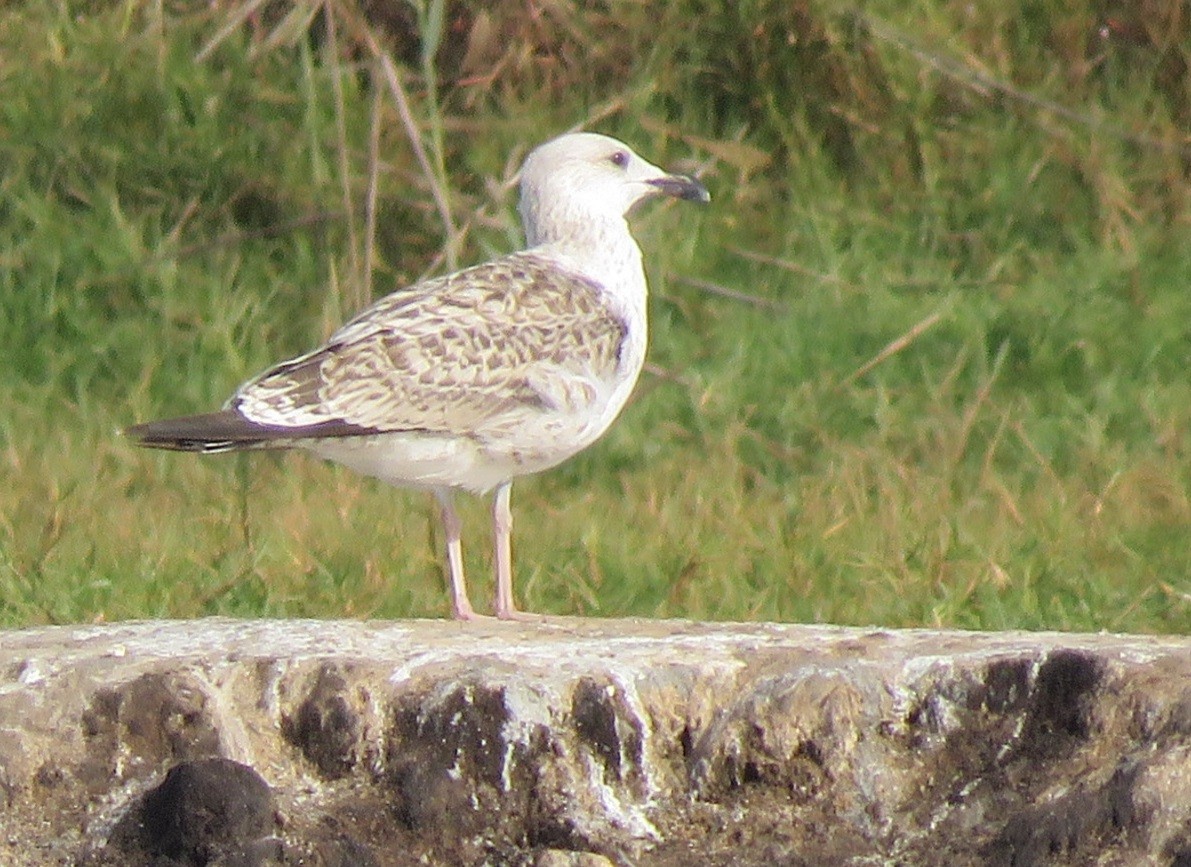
x: 586, y: 176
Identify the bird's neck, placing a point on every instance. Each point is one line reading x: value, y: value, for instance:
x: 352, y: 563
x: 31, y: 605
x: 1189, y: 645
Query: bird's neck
x: 599, y: 247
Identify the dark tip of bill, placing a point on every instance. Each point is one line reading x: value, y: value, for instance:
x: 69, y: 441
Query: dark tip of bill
x: 682, y: 187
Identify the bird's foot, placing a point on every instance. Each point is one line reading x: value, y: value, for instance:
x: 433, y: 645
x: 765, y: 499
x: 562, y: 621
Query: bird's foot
x: 517, y: 615
x: 464, y: 612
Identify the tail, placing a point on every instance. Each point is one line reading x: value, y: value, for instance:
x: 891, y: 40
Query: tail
x: 229, y: 431
x: 212, y: 432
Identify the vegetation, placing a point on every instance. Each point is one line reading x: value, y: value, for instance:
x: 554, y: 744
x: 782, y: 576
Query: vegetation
x: 923, y: 361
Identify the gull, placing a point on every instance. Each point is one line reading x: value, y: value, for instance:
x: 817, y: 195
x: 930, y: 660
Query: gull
x: 467, y: 381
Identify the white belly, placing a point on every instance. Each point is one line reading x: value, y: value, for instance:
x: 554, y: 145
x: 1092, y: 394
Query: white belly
x: 516, y: 444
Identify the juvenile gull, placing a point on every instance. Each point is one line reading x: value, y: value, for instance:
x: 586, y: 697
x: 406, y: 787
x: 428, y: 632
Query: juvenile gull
x: 465, y: 382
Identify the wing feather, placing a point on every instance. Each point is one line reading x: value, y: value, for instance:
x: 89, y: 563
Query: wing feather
x: 463, y: 352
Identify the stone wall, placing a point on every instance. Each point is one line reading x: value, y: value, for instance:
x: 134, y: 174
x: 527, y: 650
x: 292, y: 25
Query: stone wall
x: 224, y: 742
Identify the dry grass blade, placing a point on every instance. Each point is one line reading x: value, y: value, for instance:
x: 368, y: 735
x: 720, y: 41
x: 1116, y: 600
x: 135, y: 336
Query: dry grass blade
x: 370, y: 197
x: 893, y: 347
x: 296, y: 24
x: 362, y: 32
x: 793, y: 267
x: 234, y: 21
x: 357, y: 290
x: 667, y: 375
x: 972, y: 412
x: 736, y: 153
x: 731, y: 294
x: 437, y: 189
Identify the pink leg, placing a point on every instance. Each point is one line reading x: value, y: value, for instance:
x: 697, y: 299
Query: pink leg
x: 502, y: 534
x: 454, y: 530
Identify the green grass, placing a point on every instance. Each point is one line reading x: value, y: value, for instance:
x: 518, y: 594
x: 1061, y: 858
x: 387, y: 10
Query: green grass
x: 1007, y: 190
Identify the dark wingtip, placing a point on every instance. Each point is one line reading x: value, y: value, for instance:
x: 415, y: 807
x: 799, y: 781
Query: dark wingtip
x: 227, y: 431
x: 212, y: 432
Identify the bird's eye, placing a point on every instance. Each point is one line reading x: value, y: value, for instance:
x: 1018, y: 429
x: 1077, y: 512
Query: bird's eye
x: 620, y: 159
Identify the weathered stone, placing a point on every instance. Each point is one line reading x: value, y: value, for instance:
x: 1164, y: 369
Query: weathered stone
x: 589, y: 742
x: 204, y: 813
x: 206, y: 809
x: 565, y: 858
x: 326, y: 726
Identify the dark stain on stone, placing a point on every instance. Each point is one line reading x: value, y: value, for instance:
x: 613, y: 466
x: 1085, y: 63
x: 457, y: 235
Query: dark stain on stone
x: 1082, y: 821
x: 595, y: 722
x: 325, y: 727
x: 1058, y: 716
x: 204, y: 812
x: 50, y: 776
x: 799, y: 775
x: 446, y: 761
x: 751, y: 774
x: 101, y: 717
x: 811, y: 750
x: 463, y: 731
x: 428, y: 795
x: 135, y: 730
x: 550, y: 831
x: 1178, y: 721
x: 345, y: 852
x: 1007, y: 686
x: 358, y: 831
x: 605, y: 722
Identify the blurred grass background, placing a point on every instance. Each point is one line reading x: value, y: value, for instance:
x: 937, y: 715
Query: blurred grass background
x: 923, y: 361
